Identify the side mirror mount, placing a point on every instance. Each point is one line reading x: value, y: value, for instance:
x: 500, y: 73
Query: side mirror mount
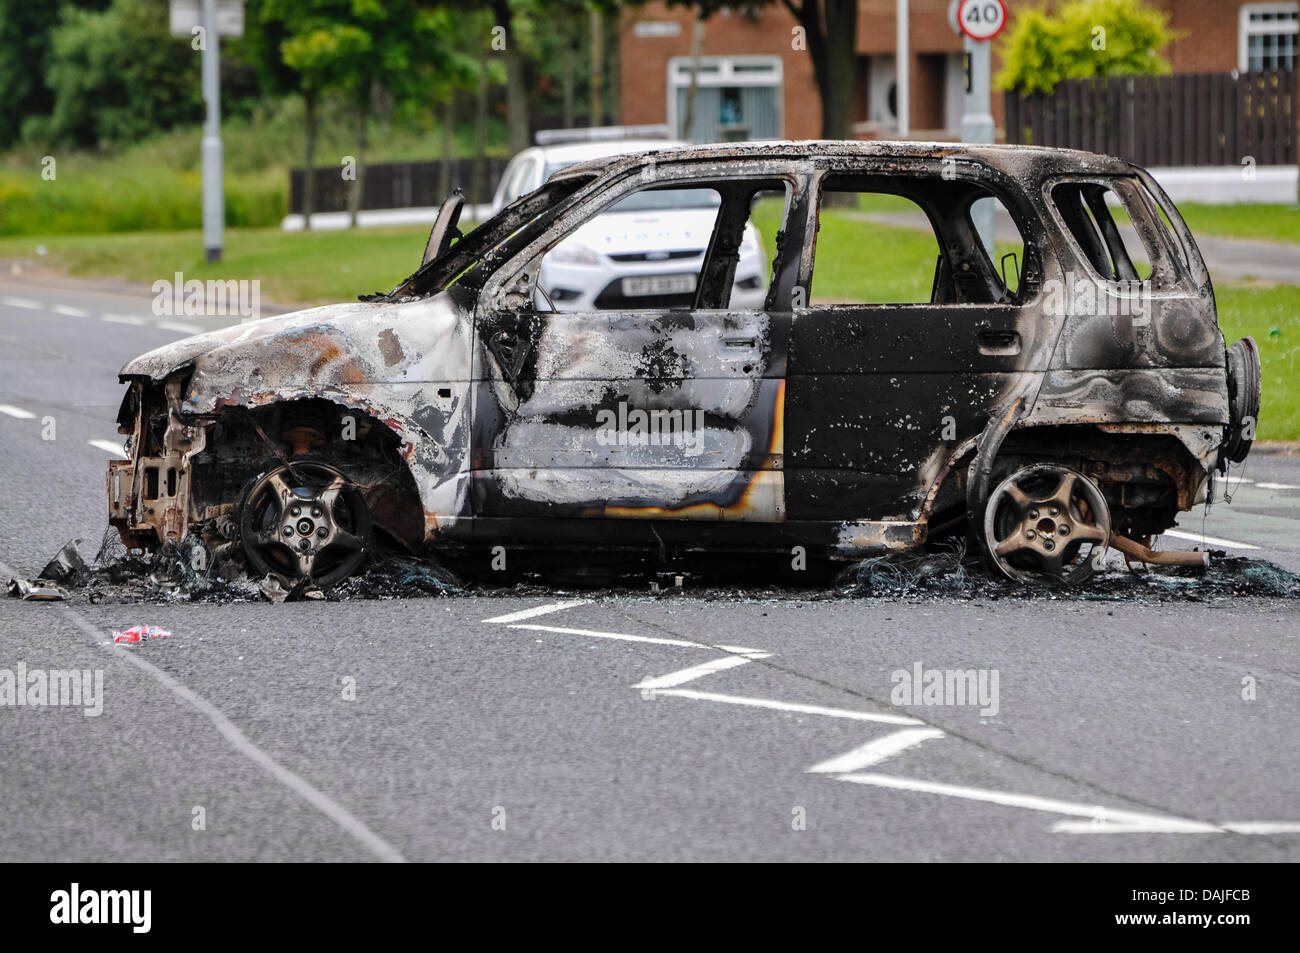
x: 444, y: 227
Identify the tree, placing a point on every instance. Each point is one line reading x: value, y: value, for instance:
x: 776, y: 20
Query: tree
x: 117, y: 75
x: 359, y: 47
x: 25, y: 30
x: 1081, y: 39
x: 505, y: 13
x: 312, y: 44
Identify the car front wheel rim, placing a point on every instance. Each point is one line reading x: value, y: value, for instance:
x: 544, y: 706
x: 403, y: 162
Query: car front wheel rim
x: 304, y: 521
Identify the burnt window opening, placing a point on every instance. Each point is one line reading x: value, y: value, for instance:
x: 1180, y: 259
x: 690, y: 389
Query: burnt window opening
x: 1102, y: 226
x: 682, y: 245
x: 476, y: 256
x: 929, y: 223
x: 1172, y: 237
x: 667, y: 230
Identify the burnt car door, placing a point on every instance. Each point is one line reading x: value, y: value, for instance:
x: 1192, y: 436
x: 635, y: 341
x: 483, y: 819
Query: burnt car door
x: 666, y: 407
x: 891, y: 370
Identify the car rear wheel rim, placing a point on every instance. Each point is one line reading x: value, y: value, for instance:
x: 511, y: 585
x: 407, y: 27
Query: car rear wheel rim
x: 1047, y: 523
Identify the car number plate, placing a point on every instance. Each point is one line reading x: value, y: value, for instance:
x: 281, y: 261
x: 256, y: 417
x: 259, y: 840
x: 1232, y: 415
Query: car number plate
x: 658, y: 285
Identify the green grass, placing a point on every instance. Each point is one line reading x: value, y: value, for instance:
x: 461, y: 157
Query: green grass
x: 1272, y: 317
x: 1275, y: 223
x: 156, y: 185
x: 93, y: 196
x: 877, y: 262
x: 294, y: 267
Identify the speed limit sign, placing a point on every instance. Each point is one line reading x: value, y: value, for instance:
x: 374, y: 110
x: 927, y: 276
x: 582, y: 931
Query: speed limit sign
x: 981, y: 19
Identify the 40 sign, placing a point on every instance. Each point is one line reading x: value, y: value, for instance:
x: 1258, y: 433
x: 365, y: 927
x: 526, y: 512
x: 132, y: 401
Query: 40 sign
x: 981, y: 19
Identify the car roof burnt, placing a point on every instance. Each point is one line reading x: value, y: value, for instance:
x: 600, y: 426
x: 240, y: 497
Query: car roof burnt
x: 1016, y: 160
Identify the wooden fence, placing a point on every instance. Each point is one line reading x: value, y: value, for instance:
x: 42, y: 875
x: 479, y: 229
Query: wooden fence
x: 1187, y: 119
x: 397, y: 185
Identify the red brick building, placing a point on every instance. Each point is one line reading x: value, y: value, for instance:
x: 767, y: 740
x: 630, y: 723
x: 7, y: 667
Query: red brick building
x: 754, y: 84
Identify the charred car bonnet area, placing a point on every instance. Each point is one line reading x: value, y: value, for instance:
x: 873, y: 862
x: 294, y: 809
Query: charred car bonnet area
x: 1050, y: 404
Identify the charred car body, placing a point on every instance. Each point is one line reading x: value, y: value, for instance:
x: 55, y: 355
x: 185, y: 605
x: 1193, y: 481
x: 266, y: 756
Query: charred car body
x: 1071, y: 396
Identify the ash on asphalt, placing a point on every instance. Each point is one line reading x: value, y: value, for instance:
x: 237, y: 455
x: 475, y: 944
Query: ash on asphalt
x: 943, y: 571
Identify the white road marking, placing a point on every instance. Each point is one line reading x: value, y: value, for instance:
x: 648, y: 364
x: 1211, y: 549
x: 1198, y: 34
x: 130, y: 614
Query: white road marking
x: 22, y: 303
x: 794, y: 707
x: 673, y: 679
x: 1099, y: 815
x: 616, y: 636
x: 1277, y: 486
x: 1261, y: 827
x: 122, y: 319
x: 12, y: 411
x: 874, y: 752
x: 539, y: 610
x: 108, y: 446
x: 845, y: 767
x: 70, y: 311
x: 1208, y: 540
x: 1234, y: 827
x: 180, y: 326
x: 295, y: 783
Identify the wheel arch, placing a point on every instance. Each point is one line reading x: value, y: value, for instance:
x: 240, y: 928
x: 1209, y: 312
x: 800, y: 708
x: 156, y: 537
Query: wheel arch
x: 244, y: 440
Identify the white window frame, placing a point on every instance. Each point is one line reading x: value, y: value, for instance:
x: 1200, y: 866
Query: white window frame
x: 1246, y: 29
x: 726, y: 74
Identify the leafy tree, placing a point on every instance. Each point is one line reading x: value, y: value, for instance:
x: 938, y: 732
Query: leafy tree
x: 313, y: 45
x: 358, y: 47
x: 1084, y: 38
x: 118, y: 75
x: 25, y: 29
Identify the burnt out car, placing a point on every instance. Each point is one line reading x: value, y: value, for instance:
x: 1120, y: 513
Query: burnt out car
x: 1068, y: 393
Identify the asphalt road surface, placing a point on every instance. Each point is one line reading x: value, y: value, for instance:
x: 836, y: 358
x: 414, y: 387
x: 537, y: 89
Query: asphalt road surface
x: 565, y: 725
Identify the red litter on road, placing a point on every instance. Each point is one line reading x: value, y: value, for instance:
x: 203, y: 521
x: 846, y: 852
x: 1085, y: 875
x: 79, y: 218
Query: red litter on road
x: 141, y: 632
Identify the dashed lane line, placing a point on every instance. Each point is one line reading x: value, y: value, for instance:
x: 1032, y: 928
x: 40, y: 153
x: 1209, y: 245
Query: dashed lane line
x: 10, y: 410
x: 27, y: 303
x: 67, y: 310
x: 180, y: 326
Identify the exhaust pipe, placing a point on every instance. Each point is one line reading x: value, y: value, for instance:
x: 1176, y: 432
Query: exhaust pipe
x: 1170, y: 557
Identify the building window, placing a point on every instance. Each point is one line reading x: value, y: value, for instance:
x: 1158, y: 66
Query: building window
x: 736, y: 97
x: 1267, y: 38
